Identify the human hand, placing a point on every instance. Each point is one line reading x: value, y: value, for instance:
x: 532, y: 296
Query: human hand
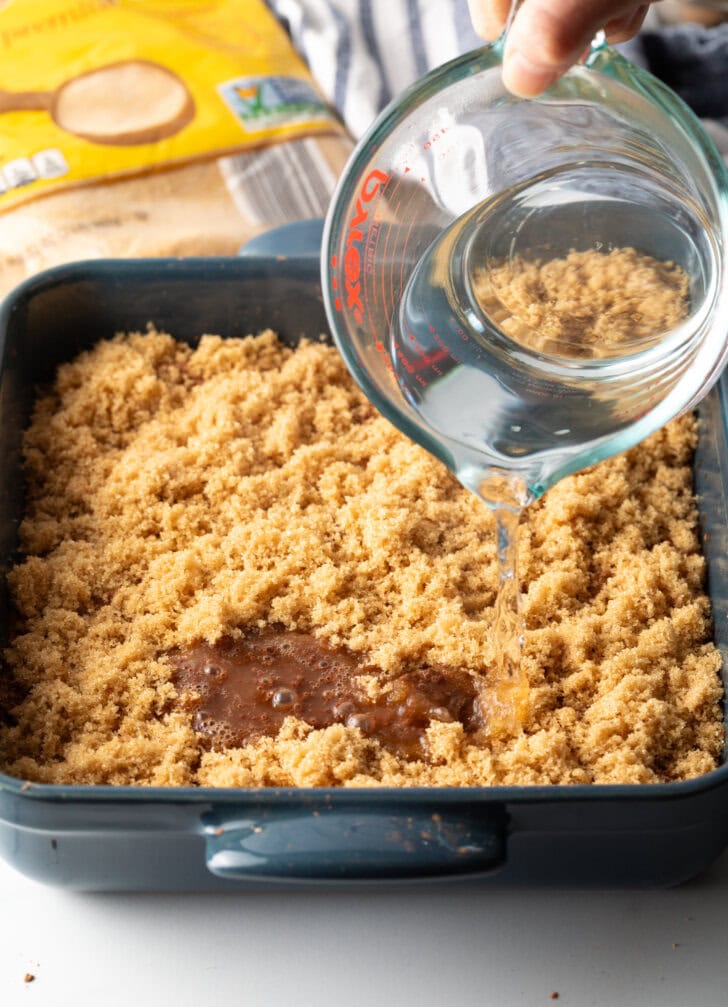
x: 549, y: 36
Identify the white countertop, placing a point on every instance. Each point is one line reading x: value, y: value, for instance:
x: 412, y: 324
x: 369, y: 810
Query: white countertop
x: 419, y: 948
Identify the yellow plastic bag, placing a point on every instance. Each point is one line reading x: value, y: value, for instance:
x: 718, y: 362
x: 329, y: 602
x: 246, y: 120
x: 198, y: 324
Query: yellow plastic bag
x: 135, y: 127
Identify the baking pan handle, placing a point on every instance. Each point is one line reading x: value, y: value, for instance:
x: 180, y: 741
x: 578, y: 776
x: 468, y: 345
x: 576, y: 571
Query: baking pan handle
x: 330, y: 843
x: 299, y: 240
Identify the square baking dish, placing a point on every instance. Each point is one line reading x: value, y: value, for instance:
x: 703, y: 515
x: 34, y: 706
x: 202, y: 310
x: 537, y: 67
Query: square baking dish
x: 133, y: 838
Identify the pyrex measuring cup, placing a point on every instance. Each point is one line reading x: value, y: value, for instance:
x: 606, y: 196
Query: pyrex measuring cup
x: 458, y: 174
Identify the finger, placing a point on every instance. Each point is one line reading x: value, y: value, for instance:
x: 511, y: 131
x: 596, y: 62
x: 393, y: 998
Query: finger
x: 624, y: 28
x: 489, y: 17
x: 548, y: 36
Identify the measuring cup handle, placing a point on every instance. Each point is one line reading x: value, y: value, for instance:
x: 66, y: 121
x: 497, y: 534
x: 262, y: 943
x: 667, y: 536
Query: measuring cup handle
x: 599, y: 42
x: 25, y: 101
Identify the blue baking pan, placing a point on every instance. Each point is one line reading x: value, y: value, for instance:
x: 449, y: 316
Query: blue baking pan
x: 133, y: 838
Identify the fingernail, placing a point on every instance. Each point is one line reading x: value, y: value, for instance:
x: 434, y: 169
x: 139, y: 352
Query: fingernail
x: 524, y: 78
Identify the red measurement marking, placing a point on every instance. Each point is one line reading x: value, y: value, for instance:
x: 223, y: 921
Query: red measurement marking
x: 337, y: 304
x: 388, y: 312
x: 434, y: 138
x: 334, y: 262
x: 463, y: 335
x: 431, y: 361
x: 334, y: 283
x: 402, y: 257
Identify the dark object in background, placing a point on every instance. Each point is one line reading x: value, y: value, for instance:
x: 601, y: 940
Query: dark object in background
x: 690, y: 59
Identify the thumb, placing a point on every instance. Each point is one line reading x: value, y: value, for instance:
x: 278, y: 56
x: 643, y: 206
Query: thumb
x: 549, y: 36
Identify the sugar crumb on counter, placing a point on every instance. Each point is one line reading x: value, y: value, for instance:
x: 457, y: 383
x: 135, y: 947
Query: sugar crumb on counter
x: 178, y: 495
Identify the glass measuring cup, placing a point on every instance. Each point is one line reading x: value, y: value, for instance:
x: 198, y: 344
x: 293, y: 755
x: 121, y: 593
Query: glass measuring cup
x: 457, y: 173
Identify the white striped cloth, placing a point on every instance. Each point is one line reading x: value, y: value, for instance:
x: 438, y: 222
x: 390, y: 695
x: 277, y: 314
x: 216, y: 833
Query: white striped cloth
x: 364, y: 52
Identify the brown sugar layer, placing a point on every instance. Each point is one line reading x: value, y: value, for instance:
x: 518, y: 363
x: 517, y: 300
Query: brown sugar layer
x: 180, y: 497
x: 588, y: 304
x: 242, y: 690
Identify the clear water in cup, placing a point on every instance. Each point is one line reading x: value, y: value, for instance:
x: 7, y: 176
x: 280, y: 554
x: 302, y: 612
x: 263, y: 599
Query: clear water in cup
x: 522, y: 403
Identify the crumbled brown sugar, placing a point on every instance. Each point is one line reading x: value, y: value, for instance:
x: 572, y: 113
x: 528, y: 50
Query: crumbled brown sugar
x: 586, y: 303
x: 177, y: 495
